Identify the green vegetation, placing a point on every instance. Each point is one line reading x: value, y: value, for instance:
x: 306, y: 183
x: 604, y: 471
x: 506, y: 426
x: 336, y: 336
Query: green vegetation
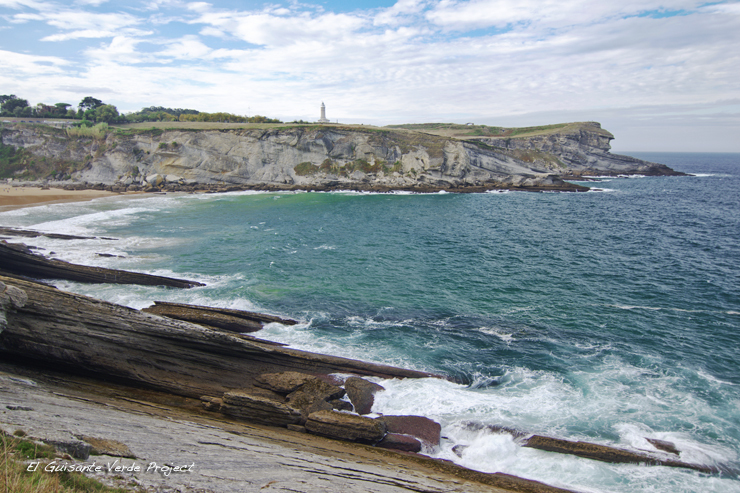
x: 330, y: 167
x: 98, y: 131
x: 16, y: 477
x: 305, y: 169
x: 95, y: 110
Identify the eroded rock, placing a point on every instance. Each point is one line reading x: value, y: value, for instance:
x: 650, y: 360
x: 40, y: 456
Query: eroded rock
x: 343, y: 426
x: 397, y: 441
x: 421, y: 427
x: 260, y: 409
x: 283, y: 382
x: 362, y: 393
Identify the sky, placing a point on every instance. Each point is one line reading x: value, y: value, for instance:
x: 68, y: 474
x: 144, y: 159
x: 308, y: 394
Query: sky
x: 660, y: 75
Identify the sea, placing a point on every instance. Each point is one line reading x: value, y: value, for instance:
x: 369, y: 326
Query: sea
x: 610, y: 316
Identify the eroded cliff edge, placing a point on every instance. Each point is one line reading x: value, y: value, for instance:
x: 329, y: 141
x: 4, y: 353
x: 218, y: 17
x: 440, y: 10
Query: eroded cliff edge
x: 321, y: 157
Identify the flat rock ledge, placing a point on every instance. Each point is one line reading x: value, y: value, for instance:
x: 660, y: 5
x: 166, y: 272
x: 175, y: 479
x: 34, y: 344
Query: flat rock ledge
x: 223, y: 318
x: 18, y: 260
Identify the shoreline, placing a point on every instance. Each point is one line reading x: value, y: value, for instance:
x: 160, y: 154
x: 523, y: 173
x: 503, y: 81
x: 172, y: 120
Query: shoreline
x: 18, y: 197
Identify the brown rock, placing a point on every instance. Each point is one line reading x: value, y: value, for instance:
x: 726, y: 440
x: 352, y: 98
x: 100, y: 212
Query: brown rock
x: 361, y: 393
x: 607, y: 454
x: 313, y: 396
x: 259, y: 408
x: 397, y: 441
x: 284, y: 382
x: 343, y: 426
x: 341, y: 405
x: 423, y: 428
x: 663, y: 445
x: 211, y: 403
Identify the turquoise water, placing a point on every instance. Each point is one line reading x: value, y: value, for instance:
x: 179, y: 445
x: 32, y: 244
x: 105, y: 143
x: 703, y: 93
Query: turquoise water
x: 610, y: 316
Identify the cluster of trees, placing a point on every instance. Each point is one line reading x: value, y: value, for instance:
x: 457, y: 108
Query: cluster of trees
x: 92, y: 110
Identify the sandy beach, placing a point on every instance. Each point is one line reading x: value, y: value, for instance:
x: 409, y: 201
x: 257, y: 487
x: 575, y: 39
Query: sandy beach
x: 14, y: 197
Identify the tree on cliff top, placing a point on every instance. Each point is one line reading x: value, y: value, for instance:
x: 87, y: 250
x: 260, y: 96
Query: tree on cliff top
x: 90, y: 103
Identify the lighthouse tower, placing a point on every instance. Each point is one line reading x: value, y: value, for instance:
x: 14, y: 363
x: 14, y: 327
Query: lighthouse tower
x: 323, y: 118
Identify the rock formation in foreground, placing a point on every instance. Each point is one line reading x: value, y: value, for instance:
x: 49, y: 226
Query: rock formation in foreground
x: 315, y: 157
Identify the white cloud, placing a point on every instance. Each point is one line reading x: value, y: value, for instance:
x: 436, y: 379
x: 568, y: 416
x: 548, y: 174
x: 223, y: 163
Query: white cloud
x: 188, y: 47
x: 30, y: 65
x: 415, y: 61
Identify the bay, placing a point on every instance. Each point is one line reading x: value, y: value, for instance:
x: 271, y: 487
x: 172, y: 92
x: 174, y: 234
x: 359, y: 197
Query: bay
x: 610, y: 316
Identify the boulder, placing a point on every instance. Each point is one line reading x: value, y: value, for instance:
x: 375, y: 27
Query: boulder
x: 361, y: 393
x: 314, y: 395
x: 259, y: 408
x: 397, y: 441
x: 172, y: 179
x: 664, y: 445
x: 284, y: 382
x: 423, y: 428
x: 154, y: 180
x: 343, y: 426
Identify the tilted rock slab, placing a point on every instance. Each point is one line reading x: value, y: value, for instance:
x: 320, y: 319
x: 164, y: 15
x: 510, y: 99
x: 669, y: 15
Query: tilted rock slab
x: 260, y: 409
x: 19, y: 260
x: 223, y: 318
x: 66, y: 330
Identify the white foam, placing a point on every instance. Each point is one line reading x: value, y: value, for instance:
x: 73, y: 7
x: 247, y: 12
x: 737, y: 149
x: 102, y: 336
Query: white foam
x: 507, y: 337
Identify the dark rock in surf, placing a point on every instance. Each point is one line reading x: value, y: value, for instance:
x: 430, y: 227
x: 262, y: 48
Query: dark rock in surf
x: 362, y: 393
x: 18, y: 260
x: 396, y: 441
x: 607, y: 454
x: 663, y: 445
x: 421, y: 427
x: 223, y: 318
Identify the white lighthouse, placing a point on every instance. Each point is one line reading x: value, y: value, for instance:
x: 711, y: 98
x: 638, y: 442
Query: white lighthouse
x: 323, y: 118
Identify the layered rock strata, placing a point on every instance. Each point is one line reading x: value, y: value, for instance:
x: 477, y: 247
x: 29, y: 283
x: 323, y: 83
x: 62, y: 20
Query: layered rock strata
x: 324, y: 157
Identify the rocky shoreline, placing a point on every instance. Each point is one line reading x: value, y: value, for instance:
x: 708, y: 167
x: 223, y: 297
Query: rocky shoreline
x: 199, y: 361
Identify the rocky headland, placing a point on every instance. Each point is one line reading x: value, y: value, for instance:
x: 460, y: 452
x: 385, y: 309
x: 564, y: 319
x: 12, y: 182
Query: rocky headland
x: 318, y: 157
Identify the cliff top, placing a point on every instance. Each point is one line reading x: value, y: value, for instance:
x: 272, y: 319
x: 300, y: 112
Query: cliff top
x: 446, y: 130
x: 456, y: 130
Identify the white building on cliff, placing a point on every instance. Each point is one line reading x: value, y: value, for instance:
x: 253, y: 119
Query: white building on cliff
x: 323, y: 118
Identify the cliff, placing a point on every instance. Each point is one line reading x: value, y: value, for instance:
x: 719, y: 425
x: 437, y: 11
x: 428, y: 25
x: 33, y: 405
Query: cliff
x: 318, y: 157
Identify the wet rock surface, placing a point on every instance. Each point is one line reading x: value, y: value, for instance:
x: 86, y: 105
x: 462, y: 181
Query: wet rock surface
x: 17, y: 259
x: 361, y: 393
x: 239, y: 321
x: 420, y: 427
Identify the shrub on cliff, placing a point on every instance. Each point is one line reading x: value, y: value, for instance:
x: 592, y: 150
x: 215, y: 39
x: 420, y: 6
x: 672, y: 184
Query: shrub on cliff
x: 305, y: 169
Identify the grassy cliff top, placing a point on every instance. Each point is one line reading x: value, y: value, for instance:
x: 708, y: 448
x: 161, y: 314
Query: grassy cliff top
x: 445, y: 130
x: 456, y: 130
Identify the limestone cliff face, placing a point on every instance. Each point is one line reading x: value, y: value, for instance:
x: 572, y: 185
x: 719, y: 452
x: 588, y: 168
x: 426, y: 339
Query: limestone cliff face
x: 580, y: 150
x: 323, y: 156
